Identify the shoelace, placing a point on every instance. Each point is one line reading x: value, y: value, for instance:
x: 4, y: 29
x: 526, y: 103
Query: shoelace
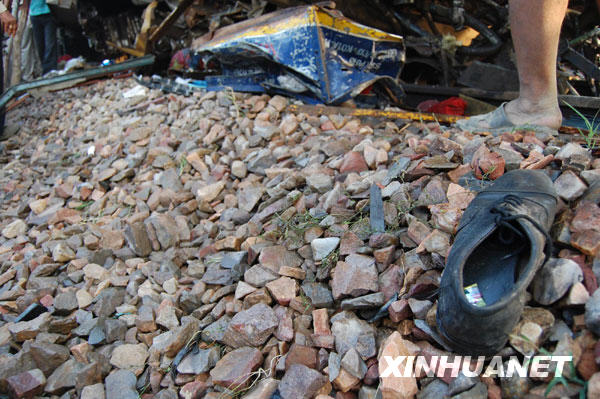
x: 503, y: 218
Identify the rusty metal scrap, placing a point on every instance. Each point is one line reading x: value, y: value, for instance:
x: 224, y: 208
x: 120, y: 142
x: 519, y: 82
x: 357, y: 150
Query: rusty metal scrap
x: 211, y: 15
x: 149, y: 34
x: 170, y: 20
x: 375, y: 113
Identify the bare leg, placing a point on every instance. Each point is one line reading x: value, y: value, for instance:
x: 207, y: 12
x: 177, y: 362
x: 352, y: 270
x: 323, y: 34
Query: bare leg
x: 535, y: 28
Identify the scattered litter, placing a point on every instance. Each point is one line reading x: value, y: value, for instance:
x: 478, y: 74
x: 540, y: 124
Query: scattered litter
x: 167, y: 85
x: 73, y: 64
x: 137, y: 91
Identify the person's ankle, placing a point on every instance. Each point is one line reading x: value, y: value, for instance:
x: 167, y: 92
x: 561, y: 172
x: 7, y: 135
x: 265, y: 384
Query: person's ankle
x: 522, y: 111
x: 542, y: 106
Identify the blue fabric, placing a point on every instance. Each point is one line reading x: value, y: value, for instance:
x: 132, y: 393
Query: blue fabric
x: 38, y: 7
x: 44, y: 34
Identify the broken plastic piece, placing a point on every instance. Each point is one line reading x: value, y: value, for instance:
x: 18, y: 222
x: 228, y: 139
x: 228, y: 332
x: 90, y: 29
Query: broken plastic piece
x: 177, y: 86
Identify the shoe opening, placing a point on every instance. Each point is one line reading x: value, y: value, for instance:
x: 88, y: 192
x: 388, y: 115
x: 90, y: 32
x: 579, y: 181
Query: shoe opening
x: 494, y: 267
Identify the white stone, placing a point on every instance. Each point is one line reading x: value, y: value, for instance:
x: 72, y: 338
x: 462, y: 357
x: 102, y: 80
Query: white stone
x: 322, y: 247
x: 62, y: 253
x: 84, y: 299
x: 243, y: 289
x: 95, y: 391
x: 170, y: 286
x: 14, y: 229
x: 569, y: 186
x: 238, y: 169
x: 570, y: 149
x: 390, y: 189
x: 38, y: 206
x: 210, y: 192
x: 130, y: 357
x: 93, y: 271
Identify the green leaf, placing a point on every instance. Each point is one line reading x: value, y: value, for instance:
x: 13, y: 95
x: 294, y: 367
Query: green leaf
x: 545, y: 351
x: 592, y: 127
x: 555, y: 381
x: 84, y: 205
x: 583, y: 391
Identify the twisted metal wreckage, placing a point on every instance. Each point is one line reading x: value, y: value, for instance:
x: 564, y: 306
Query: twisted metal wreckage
x: 310, y: 52
x: 440, y: 48
x: 318, y: 53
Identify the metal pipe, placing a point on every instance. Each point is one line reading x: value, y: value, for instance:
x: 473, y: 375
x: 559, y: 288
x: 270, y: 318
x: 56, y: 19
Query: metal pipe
x: 594, y: 32
x: 408, y: 24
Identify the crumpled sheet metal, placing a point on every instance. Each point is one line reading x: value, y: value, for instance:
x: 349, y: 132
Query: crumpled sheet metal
x: 309, y: 52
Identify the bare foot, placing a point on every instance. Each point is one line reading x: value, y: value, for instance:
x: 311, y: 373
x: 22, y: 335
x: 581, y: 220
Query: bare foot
x: 521, y: 112
x: 518, y: 112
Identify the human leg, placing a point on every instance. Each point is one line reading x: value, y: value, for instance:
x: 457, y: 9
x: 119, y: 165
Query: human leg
x: 535, y: 29
x: 50, y: 45
x: 38, y: 34
x: 31, y: 64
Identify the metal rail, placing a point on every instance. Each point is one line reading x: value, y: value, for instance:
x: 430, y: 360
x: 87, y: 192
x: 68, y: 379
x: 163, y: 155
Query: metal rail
x: 86, y: 74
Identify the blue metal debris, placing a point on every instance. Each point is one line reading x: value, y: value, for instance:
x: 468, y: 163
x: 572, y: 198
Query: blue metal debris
x: 309, y: 52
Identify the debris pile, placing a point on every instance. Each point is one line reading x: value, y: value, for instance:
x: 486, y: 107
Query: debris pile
x: 448, y: 43
x: 310, y: 52
x: 220, y: 245
x: 111, y: 26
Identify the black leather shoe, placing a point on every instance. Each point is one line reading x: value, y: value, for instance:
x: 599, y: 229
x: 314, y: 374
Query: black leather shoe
x: 501, y: 243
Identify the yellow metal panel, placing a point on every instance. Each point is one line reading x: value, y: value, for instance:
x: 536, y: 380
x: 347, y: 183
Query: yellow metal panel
x: 270, y: 29
x: 346, y: 26
x: 313, y: 15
